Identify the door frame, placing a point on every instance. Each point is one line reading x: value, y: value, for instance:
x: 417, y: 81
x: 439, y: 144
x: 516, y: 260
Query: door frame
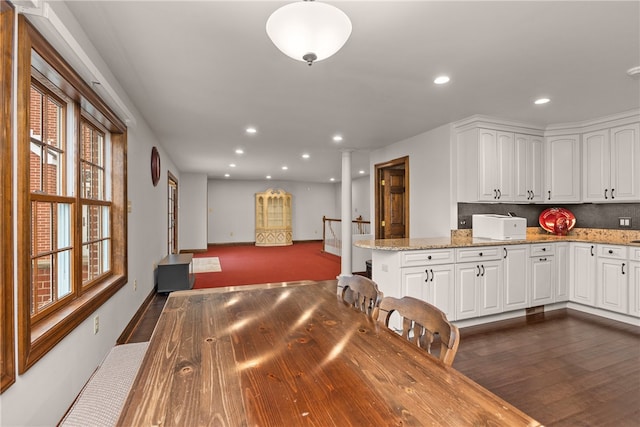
x: 172, y: 179
x: 399, y: 163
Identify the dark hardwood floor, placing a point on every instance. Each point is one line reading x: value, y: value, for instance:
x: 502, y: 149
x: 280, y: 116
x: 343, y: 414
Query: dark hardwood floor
x: 563, y: 368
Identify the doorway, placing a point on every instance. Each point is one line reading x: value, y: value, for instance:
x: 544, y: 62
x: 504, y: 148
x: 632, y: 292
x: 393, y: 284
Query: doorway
x: 392, y: 199
x: 173, y: 214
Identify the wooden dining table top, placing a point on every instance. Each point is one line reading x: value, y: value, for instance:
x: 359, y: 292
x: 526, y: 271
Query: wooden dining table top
x: 294, y: 354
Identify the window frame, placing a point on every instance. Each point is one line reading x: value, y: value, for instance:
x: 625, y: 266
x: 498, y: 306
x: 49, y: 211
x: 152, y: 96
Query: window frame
x: 37, y: 337
x: 7, y: 360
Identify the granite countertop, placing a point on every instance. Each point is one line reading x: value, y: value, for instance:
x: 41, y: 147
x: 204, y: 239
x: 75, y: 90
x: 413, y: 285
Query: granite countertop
x: 463, y: 238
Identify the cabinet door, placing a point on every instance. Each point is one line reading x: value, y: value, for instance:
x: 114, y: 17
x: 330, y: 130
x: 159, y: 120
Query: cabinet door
x: 487, y: 165
x: 542, y: 280
x: 634, y: 288
x: 528, y: 175
x: 562, y: 271
x: 505, y: 167
x: 582, y: 274
x: 414, y: 282
x: 491, y: 287
x: 612, y: 285
x: 467, y: 290
x: 596, y: 166
x: 441, y: 289
x: 625, y: 163
x: 516, y: 277
x: 562, y: 160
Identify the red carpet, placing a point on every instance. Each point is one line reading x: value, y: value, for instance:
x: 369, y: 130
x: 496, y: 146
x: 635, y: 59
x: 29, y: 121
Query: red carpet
x: 246, y: 264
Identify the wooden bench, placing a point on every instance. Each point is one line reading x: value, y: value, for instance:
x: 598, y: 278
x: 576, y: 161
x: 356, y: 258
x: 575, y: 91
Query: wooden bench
x: 102, y: 398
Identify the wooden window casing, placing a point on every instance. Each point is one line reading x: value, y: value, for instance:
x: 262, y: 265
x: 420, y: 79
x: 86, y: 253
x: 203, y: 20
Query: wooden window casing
x: 38, y: 61
x: 7, y: 361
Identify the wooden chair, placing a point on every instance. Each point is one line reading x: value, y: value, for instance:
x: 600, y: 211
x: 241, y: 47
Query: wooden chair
x: 421, y: 321
x: 361, y: 293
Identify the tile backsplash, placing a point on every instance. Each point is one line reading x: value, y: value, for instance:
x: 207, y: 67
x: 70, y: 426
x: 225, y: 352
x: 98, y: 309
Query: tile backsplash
x: 588, y: 215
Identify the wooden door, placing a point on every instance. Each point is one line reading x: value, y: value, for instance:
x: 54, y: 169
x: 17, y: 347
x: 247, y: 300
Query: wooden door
x: 393, y: 191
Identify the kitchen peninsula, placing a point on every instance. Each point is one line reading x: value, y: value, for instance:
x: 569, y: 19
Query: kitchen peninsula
x: 479, y: 280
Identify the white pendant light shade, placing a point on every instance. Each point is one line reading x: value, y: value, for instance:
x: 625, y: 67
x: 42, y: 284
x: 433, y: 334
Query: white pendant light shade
x: 308, y: 30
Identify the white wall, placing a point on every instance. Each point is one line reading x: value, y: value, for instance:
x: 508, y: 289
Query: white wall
x: 429, y: 180
x: 360, y: 198
x: 192, y: 212
x: 231, y: 211
x: 41, y: 396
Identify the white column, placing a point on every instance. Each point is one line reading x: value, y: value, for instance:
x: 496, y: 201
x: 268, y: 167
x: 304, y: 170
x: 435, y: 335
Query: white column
x: 345, y: 252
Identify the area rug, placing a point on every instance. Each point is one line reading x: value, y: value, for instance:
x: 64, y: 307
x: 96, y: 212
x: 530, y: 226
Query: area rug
x: 206, y: 265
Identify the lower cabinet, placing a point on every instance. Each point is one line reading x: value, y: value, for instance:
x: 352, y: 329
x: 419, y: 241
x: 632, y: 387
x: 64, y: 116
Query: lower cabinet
x: 543, y: 274
x: 562, y: 271
x: 478, y: 289
x: 582, y: 275
x: 634, y: 288
x: 433, y: 284
x: 516, y: 277
x: 613, y: 284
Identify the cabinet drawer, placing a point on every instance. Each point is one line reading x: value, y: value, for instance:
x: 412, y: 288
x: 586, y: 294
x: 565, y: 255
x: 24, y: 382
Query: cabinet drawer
x: 612, y: 251
x: 430, y: 257
x: 634, y: 253
x: 541, y: 249
x: 482, y: 253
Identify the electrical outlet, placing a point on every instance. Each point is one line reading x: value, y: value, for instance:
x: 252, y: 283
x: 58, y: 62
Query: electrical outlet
x: 624, y: 222
x: 96, y: 324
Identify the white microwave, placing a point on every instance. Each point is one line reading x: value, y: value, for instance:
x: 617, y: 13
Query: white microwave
x: 498, y: 227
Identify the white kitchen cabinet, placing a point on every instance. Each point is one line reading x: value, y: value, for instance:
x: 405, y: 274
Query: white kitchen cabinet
x: 486, y: 166
x: 634, y: 281
x: 542, y: 266
x: 611, y: 164
x: 528, y: 173
x: 516, y: 277
x: 562, y: 255
x: 612, y: 279
x: 495, y: 165
x: 582, y: 275
x: 478, y: 283
x: 562, y: 169
x: 433, y: 284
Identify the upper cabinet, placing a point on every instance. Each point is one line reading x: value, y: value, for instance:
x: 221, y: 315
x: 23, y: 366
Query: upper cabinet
x: 499, y: 161
x: 611, y: 164
x: 528, y: 177
x: 499, y: 166
x: 562, y: 165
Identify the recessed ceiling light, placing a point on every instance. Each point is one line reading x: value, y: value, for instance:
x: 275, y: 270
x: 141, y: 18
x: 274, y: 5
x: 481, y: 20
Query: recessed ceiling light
x: 226, y: 175
x: 268, y: 176
x: 284, y: 168
x: 361, y: 172
x: 239, y: 151
x: 337, y: 138
x: 305, y: 156
x: 440, y: 80
x: 251, y: 130
x: 232, y: 165
x: 541, y: 101
x: 332, y: 179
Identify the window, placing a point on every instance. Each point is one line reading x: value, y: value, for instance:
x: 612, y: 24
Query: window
x: 72, y: 188
x: 7, y: 361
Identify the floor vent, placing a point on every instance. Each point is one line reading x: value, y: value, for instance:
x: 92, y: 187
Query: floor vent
x: 535, y: 310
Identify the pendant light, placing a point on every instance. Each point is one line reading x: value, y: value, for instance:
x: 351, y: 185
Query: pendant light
x: 309, y: 31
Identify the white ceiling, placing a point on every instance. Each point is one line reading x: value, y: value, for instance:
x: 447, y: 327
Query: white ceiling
x: 201, y: 72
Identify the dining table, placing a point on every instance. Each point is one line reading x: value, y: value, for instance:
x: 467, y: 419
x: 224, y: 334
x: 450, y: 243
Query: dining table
x: 296, y: 354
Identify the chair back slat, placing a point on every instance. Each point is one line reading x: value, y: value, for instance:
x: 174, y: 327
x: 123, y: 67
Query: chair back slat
x: 361, y: 293
x: 421, y: 322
